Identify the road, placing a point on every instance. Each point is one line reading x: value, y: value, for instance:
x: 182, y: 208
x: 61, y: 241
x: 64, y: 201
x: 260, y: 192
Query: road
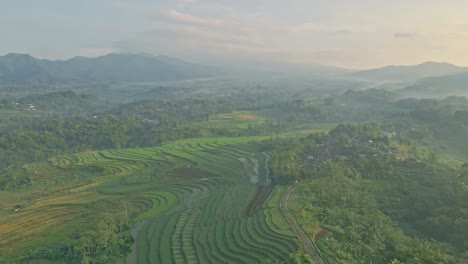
x: 309, y: 245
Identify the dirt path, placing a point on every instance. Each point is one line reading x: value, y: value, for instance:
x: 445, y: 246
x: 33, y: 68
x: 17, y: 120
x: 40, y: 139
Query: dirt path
x: 133, y: 256
x: 309, y: 245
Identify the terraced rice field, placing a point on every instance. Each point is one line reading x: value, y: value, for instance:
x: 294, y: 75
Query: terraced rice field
x: 191, y: 198
x: 210, y: 224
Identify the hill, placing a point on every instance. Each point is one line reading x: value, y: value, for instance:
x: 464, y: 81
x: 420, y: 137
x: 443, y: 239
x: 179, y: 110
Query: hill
x: 18, y: 69
x: 410, y: 73
x: 442, y: 86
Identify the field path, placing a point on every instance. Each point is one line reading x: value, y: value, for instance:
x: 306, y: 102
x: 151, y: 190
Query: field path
x: 133, y: 256
x: 309, y: 245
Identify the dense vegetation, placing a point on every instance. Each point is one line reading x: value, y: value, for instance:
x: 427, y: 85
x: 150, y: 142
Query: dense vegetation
x: 372, y: 198
x: 357, y: 231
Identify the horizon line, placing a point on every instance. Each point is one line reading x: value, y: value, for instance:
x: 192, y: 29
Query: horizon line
x: 276, y: 62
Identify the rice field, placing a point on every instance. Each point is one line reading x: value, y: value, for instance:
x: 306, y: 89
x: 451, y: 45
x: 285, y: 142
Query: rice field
x: 189, y: 197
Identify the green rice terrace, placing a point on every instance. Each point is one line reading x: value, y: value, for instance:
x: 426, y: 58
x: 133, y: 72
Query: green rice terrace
x: 191, y: 201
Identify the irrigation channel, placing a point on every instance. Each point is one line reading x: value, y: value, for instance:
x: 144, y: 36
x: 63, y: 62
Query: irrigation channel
x: 267, y: 168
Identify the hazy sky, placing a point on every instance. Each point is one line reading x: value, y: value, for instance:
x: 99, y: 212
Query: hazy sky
x: 346, y: 33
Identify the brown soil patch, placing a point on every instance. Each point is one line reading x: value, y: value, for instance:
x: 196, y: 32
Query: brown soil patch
x: 321, y: 233
x: 257, y: 202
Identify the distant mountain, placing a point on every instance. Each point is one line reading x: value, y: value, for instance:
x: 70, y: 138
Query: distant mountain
x: 441, y: 86
x: 409, y: 73
x: 18, y: 68
x: 25, y: 69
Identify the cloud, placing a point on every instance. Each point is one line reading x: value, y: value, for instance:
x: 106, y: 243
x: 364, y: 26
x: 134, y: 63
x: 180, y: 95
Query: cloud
x: 197, y: 40
x: 180, y: 17
x: 203, y: 30
x: 205, y: 34
x: 405, y: 35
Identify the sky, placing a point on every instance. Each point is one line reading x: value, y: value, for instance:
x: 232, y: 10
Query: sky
x: 356, y: 34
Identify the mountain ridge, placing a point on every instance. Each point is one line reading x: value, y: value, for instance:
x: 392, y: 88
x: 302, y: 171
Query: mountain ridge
x: 410, y: 72
x: 17, y: 68
x: 20, y: 69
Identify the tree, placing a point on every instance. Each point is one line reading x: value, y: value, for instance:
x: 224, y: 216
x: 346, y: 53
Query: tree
x: 105, y: 244
x: 299, y: 257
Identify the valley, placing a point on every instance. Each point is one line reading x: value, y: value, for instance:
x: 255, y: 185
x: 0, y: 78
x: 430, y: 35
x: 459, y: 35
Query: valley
x: 232, y: 169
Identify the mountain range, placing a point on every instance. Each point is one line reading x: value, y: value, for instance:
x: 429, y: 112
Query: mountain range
x: 433, y: 78
x: 16, y: 69
x: 410, y: 73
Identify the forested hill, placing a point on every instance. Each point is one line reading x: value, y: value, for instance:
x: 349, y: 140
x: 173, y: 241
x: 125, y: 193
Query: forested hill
x: 410, y: 73
x: 18, y: 69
